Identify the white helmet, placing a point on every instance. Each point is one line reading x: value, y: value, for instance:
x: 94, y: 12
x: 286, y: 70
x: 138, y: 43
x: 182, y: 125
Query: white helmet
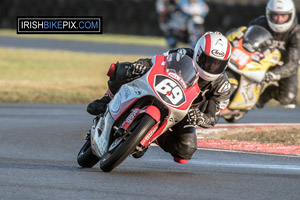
x: 211, y: 55
x: 280, y: 7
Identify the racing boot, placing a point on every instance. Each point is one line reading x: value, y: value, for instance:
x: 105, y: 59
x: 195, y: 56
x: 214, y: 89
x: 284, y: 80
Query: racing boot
x: 98, y: 106
x: 139, y: 154
x: 292, y: 105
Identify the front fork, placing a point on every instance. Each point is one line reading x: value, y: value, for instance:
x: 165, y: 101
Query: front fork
x: 101, y: 130
x: 153, y: 111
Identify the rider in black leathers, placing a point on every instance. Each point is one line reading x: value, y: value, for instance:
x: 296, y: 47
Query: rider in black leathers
x: 288, y: 43
x: 181, y: 141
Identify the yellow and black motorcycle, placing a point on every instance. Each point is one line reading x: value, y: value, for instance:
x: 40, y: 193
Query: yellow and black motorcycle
x: 252, y: 55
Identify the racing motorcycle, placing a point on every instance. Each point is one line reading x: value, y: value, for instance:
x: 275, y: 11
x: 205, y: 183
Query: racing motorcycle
x: 252, y: 55
x: 141, y: 111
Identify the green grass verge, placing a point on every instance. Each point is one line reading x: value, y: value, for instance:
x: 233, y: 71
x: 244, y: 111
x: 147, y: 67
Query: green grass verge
x: 54, y: 76
x: 108, y: 38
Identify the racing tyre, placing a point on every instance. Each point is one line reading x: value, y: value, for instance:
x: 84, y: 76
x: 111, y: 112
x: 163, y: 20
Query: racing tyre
x: 122, y: 147
x: 85, y: 157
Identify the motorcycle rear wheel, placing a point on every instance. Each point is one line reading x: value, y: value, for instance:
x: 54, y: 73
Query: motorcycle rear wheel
x: 85, y: 157
x: 120, y: 152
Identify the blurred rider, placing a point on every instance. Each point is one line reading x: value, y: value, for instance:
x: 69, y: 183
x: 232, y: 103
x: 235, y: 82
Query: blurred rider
x: 181, y: 20
x: 197, y: 11
x: 210, y: 58
x: 280, y: 19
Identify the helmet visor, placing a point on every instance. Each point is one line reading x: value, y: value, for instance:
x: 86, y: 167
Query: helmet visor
x: 279, y: 17
x: 211, y: 65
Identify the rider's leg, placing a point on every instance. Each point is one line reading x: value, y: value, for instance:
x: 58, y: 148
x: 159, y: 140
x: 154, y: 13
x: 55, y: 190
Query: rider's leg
x: 171, y: 41
x: 269, y: 93
x: 98, y: 106
x: 288, y: 90
x: 285, y: 93
x: 119, y: 74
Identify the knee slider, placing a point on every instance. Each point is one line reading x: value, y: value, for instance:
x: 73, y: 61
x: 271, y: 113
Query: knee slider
x: 285, y: 100
x: 187, y: 152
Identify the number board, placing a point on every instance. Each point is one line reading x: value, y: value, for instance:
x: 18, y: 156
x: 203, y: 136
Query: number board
x: 169, y: 90
x: 240, y: 57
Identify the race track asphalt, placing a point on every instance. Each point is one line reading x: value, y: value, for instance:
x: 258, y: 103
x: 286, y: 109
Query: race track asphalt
x: 80, y: 46
x: 39, y: 144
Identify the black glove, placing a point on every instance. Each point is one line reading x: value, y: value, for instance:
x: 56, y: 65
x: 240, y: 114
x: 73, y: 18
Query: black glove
x: 196, y: 117
x: 137, y: 68
x: 271, y: 77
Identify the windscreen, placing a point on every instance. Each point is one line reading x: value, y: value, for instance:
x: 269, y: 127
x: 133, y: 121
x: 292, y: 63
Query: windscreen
x: 184, y: 67
x: 257, y: 38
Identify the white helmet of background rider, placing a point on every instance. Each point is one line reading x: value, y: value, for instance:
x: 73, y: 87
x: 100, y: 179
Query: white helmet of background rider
x: 278, y: 7
x: 211, y: 55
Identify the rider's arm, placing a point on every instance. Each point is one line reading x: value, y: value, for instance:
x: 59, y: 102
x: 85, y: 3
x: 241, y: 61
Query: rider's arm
x: 290, y: 59
x: 218, y: 99
x: 183, y: 51
x: 217, y: 102
x: 120, y: 73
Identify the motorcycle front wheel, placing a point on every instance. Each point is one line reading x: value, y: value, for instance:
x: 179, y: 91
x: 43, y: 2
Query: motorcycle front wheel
x: 122, y: 147
x: 85, y: 157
